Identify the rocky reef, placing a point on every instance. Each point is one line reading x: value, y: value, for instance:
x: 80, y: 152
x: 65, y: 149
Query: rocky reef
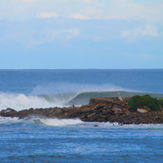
x: 115, y: 109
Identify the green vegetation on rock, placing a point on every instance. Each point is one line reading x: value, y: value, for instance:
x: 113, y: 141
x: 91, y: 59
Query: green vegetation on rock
x: 160, y: 101
x: 146, y: 100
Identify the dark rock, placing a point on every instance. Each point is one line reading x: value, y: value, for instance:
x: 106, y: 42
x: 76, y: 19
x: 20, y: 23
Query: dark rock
x: 99, y: 110
x: 8, y: 112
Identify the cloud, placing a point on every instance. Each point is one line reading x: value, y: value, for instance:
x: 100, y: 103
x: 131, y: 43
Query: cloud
x: 125, y: 13
x: 88, y: 1
x: 84, y: 9
x: 140, y: 32
x: 120, y: 10
x: 125, y: 10
x: 48, y: 15
x: 27, y: 1
x: 79, y: 16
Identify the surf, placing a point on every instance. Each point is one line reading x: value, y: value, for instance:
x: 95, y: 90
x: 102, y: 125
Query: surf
x: 22, y: 101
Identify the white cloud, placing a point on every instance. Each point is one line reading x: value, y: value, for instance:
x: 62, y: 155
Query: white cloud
x: 140, y: 32
x: 84, y: 9
x: 27, y: 1
x: 88, y: 1
x: 125, y: 10
x: 48, y: 15
x: 130, y: 10
x: 79, y: 16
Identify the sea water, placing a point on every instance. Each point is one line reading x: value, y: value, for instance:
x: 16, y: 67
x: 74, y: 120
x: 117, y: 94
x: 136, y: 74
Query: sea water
x: 37, y: 139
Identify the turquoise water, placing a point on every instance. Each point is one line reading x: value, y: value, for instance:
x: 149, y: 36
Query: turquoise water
x: 37, y: 139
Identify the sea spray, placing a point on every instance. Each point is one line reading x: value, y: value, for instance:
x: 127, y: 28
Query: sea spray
x: 75, y: 88
x: 21, y: 101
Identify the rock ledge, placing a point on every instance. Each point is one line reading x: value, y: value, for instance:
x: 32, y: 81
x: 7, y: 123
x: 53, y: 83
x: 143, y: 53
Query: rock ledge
x: 99, y: 110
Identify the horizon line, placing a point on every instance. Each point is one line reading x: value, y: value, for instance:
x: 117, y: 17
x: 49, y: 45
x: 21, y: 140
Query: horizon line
x: 82, y: 69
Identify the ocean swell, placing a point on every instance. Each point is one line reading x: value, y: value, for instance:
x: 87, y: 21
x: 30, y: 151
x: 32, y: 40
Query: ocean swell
x: 58, y: 94
x: 22, y: 101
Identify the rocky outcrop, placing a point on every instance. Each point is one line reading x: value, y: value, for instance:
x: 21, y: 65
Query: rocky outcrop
x: 98, y: 110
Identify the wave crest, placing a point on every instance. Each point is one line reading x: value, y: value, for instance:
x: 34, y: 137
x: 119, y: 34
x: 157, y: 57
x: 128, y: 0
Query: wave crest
x: 58, y: 94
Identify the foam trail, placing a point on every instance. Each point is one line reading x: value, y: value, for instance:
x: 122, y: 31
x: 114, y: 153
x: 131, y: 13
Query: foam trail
x: 8, y: 120
x: 127, y: 126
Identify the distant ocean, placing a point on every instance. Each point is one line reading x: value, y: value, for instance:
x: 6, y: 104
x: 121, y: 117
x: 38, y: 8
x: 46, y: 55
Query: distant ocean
x: 39, y: 139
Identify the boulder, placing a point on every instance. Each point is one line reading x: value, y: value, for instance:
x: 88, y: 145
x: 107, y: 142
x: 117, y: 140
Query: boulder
x: 8, y: 112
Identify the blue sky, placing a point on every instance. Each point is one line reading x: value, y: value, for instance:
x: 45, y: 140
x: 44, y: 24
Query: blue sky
x: 49, y: 34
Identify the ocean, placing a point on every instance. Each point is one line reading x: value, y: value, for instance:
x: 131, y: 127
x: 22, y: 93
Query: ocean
x: 38, y: 139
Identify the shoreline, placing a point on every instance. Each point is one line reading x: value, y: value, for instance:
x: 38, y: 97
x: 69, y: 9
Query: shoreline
x: 99, y: 109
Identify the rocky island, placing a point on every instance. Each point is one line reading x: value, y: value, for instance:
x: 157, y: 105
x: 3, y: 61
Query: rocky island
x: 128, y: 110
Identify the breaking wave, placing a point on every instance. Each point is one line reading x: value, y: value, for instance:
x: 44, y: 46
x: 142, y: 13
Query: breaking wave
x: 62, y: 95
x: 22, y: 101
x: 51, y: 95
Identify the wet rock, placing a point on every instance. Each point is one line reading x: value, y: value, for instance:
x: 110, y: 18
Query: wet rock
x: 8, y: 112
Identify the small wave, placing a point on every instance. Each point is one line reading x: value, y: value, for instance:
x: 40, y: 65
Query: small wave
x: 76, y: 123
x: 56, y: 122
x: 42, y: 120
